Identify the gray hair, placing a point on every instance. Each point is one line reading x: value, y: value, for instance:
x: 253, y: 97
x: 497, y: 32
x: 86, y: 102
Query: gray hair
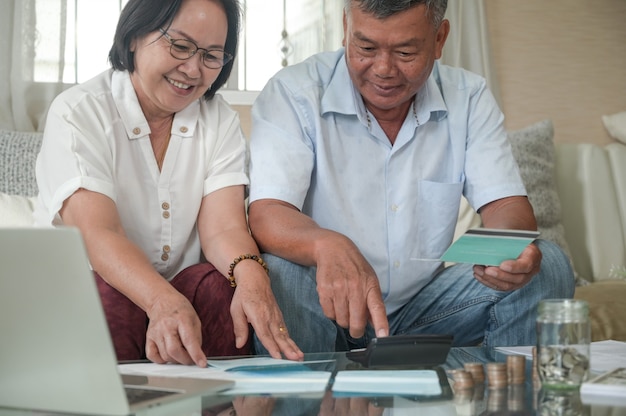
x: 385, y: 8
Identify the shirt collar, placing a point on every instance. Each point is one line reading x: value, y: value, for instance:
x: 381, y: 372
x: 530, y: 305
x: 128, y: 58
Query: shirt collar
x: 430, y: 102
x: 342, y: 97
x: 132, y: 116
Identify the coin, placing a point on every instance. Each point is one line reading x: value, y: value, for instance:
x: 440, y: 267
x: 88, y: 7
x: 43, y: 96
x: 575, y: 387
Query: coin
x: 476, y: 370
x: 462, y: 379
x: 516, y: 369
x: 497, y: 375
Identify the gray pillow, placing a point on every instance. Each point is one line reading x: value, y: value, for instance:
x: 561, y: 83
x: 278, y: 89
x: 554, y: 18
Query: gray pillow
x: 18, y: 153
x: 533, y: 148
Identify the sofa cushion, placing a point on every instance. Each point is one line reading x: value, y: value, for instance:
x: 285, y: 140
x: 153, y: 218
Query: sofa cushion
x: 592, y: 190
x: 607, y: 308
x: 18, y: 153
x: 616, y: 125
x: 16, y: 210
x: 533, y: 148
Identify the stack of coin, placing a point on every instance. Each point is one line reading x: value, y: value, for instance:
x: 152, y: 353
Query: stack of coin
x: 462, y: 380
x: 463, y: 404
x: 536, y: 379
x: 463, y: 401
x: 479, y: 392
x: 497, y: 400
x: 463, y: 390
x: 516, y: 369
x: 497, y: 375
x: 477, y: 371
x: 478, y: 399
x: 516, y: 398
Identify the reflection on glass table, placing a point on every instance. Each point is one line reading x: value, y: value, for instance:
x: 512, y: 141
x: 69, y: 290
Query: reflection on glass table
x: 522, y: 399
x: 480, y: 399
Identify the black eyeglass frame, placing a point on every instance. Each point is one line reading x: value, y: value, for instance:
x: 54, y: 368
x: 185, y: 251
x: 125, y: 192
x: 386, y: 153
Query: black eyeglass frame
x: 212, y: 62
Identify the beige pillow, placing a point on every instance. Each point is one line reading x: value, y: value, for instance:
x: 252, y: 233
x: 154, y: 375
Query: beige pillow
x: 533, y: 148
x: 16, y: 210
x: 607, y: 308
x: 616, y: 125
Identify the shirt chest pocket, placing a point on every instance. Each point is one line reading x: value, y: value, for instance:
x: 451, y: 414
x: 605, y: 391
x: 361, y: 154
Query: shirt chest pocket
x: 436, y: 212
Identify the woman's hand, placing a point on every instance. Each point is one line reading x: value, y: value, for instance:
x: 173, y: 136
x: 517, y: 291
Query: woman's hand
x: 223, y: 231
x: 174, y: 329
x: 348, y: 406
x: 174, y: 332
x: 254, y: 303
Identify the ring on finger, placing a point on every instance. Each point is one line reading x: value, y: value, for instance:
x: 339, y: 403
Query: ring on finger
x: 282, y: 329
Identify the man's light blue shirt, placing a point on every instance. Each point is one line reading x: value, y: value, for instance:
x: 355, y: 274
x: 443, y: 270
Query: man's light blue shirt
x: 311, y: 147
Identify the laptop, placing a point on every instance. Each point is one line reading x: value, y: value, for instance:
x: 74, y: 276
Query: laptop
x: 56, y: 353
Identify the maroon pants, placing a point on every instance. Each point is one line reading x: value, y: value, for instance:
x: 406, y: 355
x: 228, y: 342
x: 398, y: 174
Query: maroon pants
x: 208, y: 291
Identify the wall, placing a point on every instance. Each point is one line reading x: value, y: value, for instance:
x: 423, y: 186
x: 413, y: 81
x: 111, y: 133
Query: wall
x: 245, y: 117
x: 560, y: 59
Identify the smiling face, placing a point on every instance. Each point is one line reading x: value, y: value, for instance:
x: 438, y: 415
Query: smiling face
x: 166, y: 85
x: 390, y: 59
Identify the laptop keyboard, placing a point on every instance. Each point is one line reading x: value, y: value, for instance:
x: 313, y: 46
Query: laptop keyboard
x: 138, y: 395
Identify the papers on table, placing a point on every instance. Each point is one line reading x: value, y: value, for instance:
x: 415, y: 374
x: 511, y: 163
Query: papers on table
x: 608, y: 388
x: 605, y: 355
x: 488, y: 246
x: 311, y: 383
x: 263, y: 364
x: 422, y: 383
x: 259, y: 375
x: 264, y: 375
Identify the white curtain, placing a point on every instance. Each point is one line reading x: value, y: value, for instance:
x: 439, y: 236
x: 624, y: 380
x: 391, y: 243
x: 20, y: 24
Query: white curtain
x: 468, y: 43
x: 24, y: 102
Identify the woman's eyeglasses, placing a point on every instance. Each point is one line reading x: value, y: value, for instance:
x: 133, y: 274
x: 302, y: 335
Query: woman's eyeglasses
x: 183, y: 49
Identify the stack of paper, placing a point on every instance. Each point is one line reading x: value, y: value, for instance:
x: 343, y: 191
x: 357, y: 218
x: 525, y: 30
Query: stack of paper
x: 416, y: 383
x: 608, y: 388
x: 258, y: 375
x: 264, y: 375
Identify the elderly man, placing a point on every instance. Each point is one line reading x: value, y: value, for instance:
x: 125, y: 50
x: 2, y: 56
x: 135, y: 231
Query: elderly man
x: 359, y: 159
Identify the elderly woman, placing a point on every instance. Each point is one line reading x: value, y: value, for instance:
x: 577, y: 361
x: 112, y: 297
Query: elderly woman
x: 149, y: 164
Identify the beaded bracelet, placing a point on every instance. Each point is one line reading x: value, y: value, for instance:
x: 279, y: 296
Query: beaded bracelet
x: 231, y: 269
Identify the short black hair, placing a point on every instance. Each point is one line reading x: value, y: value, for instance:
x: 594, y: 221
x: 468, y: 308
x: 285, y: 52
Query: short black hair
x: 140, y: 17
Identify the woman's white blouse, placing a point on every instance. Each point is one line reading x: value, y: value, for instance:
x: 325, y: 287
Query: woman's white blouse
x: 97, y: 138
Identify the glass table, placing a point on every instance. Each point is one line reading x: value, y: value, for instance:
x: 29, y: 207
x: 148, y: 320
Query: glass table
x: 523, y: 399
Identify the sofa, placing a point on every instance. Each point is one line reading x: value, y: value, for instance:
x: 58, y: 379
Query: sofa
x: 578, y: 193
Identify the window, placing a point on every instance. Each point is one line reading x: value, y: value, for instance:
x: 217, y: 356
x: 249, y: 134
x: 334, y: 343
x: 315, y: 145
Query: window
x: 311, y: 25
x: 74, y: 37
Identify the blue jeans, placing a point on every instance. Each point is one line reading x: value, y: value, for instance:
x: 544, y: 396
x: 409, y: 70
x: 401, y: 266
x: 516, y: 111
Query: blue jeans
x: 452, y: 303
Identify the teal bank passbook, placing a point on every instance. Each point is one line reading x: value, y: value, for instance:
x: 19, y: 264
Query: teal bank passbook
x: 488, y: 246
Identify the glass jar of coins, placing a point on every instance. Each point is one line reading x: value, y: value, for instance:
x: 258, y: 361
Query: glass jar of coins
x: 563, y: 343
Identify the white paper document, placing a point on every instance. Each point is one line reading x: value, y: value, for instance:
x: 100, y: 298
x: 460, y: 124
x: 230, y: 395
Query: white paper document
x: 259, y: 375
x: 393, y: 382
x: 283, y: 382
x: 605, y: 355
x: 608, y: 388
x: 262, y: 363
